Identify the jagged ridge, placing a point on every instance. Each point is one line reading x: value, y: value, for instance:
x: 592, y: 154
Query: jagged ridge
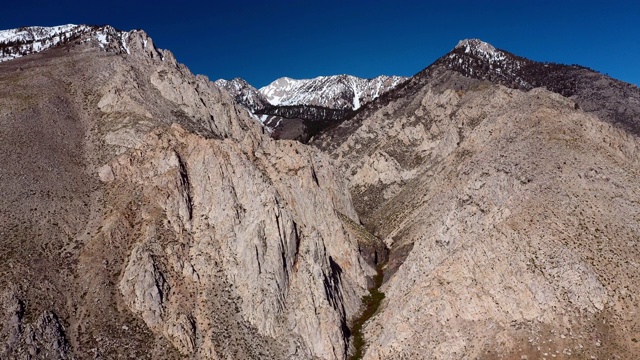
x: 15, y: 43
x: 336, y: 92
x: 244, y: 94
x: 612, y: 100
x: 117, y: 164
x: 300, y: 109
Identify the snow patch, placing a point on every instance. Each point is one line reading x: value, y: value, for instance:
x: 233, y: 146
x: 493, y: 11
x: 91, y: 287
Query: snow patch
x: 102, y: 39
x: 22, y: 41
x: 123, y: 37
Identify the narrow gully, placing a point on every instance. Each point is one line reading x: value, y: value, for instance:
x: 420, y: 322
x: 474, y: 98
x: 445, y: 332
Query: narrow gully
x: 370, y: 305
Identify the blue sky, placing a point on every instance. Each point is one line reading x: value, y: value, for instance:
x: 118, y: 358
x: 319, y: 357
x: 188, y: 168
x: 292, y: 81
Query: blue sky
x: 263, y: 40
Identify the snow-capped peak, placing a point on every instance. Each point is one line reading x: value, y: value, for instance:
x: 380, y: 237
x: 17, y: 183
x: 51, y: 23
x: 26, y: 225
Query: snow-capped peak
x: 478, y: 59
x: 34, y: 33
x: 335, y: 92
x: 481, y: 49
x: 15, y: 43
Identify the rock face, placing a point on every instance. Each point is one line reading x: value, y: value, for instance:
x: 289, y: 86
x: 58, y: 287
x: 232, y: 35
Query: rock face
x: 508, y: 217
x: 154, y: 218
x: 44, y: 338
x: 214, y: 223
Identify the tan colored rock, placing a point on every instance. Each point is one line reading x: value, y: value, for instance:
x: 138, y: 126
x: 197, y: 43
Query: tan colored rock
x: 266, y: 231
x: 517, y: 224
x: 106, y: 174
x: 144, y: 287
x: 161, y: 221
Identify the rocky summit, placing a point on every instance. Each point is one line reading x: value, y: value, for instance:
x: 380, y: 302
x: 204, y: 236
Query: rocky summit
x: 485, y: 208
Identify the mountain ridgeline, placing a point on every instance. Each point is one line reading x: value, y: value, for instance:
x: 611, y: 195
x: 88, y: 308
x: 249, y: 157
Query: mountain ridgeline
x: 486, y: 207
x: 144, y: 213
x: 498, y: 201
x: 23, y: 41
x: 616, y: 101
x: 300, y: 109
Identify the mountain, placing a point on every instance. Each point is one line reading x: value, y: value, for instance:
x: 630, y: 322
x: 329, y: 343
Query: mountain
x: 615, y: 101
x: 505, y: 189
x: 303, y: 108
x: 23, y: 41
x: 612, y: 100
x: 485, y: 208
x: 19, y: 42
x: 300, y: 109
x: 343, y: 92
x: 244, y: 94
x: 143, y: 213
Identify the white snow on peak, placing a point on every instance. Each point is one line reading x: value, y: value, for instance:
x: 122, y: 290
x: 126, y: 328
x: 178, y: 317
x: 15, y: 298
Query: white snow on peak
x: 500, y: 63
x: 109, y: 37
x: 123, y: 37
x: 23, y: 41
x: 243, y: 93
x: 481, y: 49
x: 336, y: 92
x: 102, y: 39
x: 34, y: 33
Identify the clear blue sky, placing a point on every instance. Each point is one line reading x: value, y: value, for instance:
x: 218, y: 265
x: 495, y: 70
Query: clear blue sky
x: 263, y: 40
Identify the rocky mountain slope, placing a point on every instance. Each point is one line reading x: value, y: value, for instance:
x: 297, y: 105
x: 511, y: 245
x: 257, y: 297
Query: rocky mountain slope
x: 614, y: 101
x: 244, y: 94
x: 144, y: 214
x: 511, y: 213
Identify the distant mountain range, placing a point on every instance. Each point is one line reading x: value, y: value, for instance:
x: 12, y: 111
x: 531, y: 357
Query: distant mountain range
x: 341, y: 92
x: 299, y: 109
x: 344, y: 92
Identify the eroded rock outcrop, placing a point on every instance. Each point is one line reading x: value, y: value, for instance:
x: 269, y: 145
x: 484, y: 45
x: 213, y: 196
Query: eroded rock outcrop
x: 181, y: 229
x: 259, y: 230
x: 40, y: 338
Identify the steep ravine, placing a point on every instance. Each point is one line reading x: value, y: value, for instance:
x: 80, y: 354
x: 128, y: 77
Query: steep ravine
x: 376, y: 253
x: 370, y: 305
